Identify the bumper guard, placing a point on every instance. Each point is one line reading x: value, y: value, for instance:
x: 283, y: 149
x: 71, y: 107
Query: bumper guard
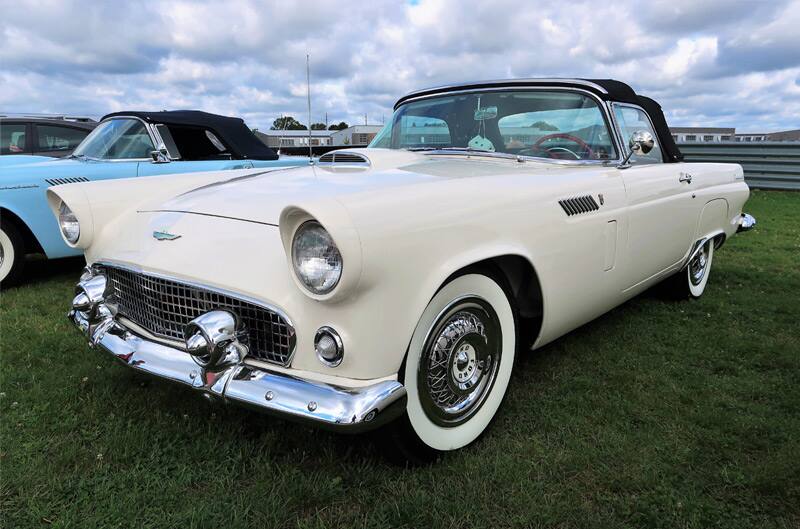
x: 345, y: 409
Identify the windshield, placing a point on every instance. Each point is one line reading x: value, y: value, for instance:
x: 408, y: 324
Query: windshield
x: 547, y: 124
x: 117, y: 139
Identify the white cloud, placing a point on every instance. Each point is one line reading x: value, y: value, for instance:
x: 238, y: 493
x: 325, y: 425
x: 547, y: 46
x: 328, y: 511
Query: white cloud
x: 702, y: 60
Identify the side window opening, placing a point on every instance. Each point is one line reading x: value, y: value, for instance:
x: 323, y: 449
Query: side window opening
x: 169, y: 142
x: 12, y: 138
x: 197, y: 143
x: 631, y: 119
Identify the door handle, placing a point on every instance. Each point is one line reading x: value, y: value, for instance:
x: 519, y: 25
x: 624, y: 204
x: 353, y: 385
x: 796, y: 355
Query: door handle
x: 685, y: 177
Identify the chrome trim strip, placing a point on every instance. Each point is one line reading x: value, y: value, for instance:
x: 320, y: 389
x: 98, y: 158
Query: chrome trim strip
x: 230, y: 293
x: 343, y: 409
x: 602, y: 105
x: 522, y: 82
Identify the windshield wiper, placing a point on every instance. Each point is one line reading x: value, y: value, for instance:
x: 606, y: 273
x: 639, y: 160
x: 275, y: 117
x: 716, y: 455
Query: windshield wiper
x: 74, y: 156
x: 460, y: 149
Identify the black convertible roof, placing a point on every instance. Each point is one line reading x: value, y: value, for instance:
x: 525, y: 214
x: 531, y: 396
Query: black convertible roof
x: 233, y: 132
x: 605, y: 89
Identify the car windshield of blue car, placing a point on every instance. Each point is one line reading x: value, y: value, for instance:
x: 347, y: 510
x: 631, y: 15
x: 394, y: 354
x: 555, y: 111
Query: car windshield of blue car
x: 557, y: 124
x: 116, y: 139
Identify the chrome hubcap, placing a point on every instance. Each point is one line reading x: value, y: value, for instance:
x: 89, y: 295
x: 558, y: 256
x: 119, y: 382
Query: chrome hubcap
x: 459, y: 361
x: 698, y: 265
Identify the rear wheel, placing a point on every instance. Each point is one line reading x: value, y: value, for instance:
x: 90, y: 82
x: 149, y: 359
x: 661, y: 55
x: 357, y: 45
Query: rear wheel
x: 458, y: 367
x: 12, y: 254
x: 691, y: 281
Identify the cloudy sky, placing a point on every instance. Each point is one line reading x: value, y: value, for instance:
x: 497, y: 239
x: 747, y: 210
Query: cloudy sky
x: 709, y: 62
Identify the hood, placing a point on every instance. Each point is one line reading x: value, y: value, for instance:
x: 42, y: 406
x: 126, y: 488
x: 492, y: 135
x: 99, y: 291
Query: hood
x: 261, y: 196
x: 9, y: 160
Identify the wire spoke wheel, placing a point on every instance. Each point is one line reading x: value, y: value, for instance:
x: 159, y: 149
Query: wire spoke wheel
x: 699, y: 265
x: 460, y: 361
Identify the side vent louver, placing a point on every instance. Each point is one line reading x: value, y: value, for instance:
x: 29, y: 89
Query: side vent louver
x: 578, y: 205
x: 59, y: 181
x: 349, y: 158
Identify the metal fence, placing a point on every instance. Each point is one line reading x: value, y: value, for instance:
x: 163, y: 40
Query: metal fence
x: 768, y: 165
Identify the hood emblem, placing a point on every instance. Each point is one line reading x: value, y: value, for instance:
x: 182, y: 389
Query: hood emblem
x: 165, y: 236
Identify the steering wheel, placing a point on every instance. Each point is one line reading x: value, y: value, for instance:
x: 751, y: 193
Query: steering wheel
x: 537, y: 147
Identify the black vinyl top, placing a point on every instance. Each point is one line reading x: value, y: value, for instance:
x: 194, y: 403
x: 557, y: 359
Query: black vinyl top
x: 233, y: 132
x: 605, y: 89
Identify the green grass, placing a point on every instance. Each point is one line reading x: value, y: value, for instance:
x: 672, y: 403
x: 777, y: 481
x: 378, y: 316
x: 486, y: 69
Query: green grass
x: 658, y: 414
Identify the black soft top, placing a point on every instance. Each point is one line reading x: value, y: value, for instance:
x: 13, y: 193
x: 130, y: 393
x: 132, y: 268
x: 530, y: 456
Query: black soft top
x: 605, y: 89
x: 233, y: 132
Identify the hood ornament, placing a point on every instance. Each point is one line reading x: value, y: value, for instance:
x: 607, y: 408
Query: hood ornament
x: 165, y: 236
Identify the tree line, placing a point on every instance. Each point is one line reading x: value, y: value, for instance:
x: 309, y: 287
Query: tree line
x: 290, y: 123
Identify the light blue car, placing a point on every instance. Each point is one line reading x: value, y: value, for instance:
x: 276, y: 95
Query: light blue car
x: 123, y: 145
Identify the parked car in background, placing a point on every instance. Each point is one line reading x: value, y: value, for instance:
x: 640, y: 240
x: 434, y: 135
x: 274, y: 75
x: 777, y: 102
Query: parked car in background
x: 41, y: 136
x: 396, y: 284
x: 123, y: 145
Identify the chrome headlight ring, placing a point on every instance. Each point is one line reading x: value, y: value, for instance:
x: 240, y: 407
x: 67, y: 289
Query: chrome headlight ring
x: 68, y: 223
x: 316, y: 259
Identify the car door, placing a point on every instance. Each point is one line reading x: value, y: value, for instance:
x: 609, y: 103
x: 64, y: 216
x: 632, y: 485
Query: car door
x: 661, y: 212
x: 57, y: 140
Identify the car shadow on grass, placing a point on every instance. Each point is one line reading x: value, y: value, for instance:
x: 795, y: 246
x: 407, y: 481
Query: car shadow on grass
x: 38, y: 269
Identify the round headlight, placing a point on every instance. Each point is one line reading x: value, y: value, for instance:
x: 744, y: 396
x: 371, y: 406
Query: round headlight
x: 68, y: 223
x: 316, y: 259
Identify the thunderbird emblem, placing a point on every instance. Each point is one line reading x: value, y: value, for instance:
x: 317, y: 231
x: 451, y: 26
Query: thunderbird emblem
x: 165, y: 236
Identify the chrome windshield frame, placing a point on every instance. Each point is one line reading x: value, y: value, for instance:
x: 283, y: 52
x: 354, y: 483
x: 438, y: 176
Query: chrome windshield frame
x: 603, y: 106
x: 147, y: 127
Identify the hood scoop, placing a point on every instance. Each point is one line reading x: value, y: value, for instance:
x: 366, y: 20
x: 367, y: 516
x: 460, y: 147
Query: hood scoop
x: 344, y: 159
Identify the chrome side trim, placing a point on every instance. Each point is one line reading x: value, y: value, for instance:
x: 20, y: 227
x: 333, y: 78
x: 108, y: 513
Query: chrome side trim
x: 243, y: 297
x: 343, y: 409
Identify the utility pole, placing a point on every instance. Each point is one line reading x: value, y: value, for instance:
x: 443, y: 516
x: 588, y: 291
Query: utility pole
x: 365, y: 118
x: 308, y: 89
x: 326, y: 121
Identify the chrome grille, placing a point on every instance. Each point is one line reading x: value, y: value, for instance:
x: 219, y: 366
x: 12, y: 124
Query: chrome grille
x: 344, y: 158
x: 163, y: 307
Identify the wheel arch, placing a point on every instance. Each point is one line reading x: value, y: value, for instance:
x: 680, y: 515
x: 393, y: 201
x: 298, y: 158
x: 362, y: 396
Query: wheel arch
x: 32, y: 244
x: 521, y: 281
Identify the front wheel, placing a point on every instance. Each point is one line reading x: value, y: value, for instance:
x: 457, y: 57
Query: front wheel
x: 12, y: 254
x: 458, y: 367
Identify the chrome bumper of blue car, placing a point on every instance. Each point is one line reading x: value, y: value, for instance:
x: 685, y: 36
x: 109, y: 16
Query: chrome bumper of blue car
x: 346, y: 409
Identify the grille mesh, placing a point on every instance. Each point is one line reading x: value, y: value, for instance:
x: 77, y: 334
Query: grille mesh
x: 163, y: 307
x: 59, y: 181
x: 343, y: 157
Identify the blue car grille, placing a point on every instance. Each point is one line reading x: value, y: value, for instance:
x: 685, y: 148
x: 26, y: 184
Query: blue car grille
x: 164, y: 306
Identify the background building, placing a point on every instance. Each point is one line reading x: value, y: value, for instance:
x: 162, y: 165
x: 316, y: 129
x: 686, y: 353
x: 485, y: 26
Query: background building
x: 725, y: 134
x: 355, y: 136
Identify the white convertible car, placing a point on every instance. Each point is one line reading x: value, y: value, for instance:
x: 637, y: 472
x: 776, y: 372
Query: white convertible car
x: 395, y: 285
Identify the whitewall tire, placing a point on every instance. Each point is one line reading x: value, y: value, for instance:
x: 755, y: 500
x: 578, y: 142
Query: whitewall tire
x: 698, y: 270
x: 459, y: 362
x: 12, y: 254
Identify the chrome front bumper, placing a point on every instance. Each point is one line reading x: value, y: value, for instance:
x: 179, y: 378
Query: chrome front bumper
x: 352, y: 410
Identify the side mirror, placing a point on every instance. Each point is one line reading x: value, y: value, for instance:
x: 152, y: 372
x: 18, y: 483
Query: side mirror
x: 641, y: 142
x: 160, y: 155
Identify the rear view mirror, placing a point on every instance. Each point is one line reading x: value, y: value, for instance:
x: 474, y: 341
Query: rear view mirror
x: 485, y: 113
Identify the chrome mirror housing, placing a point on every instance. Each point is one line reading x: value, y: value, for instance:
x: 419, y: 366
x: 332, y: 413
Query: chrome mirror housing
x: 160, y: 155
x: 641, y: 142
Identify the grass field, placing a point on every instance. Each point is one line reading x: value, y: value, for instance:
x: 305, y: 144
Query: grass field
x: 658, y: 414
